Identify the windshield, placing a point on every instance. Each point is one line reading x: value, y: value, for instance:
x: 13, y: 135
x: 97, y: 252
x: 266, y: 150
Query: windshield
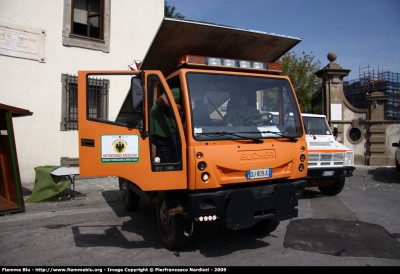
x: 242, y: 107
x: 316, y: 125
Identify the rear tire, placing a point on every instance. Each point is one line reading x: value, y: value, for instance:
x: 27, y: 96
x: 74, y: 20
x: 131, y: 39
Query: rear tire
x: 130, y: 199
x: 174, y: 231
x: 264, y: 227
x: 334, y: 189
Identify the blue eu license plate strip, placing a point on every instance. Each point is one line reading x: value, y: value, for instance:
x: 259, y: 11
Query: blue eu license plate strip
x: 258, y: 173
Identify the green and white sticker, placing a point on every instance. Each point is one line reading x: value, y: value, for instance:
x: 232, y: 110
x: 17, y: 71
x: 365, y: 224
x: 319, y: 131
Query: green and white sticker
x: 119, y: 148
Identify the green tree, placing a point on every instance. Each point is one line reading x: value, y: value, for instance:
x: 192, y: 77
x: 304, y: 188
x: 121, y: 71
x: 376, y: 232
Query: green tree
x: 301, y: 73
x: 169, y: 11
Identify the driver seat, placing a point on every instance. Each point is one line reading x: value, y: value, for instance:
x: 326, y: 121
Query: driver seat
x: 229, y: 108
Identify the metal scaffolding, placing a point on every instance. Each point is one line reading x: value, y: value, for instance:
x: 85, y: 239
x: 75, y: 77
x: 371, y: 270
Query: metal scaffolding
x: 369, y: 81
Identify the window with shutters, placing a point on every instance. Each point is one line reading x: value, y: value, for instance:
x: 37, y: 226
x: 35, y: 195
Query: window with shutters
x: 87, y: 24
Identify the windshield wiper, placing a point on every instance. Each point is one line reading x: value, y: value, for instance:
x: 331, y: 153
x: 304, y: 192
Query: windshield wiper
x: 312, y: 135
x: 291, y: 139
x: 223, y: 133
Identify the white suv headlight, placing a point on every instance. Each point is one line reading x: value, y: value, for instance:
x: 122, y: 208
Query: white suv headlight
x: 349, y: 158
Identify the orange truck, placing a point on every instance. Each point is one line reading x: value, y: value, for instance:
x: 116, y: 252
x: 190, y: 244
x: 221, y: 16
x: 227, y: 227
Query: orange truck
x: 248, y: 175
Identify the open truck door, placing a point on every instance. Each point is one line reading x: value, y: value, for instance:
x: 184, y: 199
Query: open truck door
x: 119, y: 142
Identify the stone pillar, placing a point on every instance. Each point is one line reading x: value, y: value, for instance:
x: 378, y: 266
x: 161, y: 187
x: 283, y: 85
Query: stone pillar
x: 376, y: 149
x: 332, y: 87
x: 332, y: 76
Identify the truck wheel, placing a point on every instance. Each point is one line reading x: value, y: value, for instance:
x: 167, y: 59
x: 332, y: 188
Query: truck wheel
x: 397, y: 166
x: 173, y: 230
x: 130, y: 199
x: 334, y: 189
x: 264, y: 227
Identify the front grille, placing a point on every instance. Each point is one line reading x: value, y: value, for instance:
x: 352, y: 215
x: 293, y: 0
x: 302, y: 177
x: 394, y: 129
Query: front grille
x: 313, y: 157
x: 338, y: 157
x: 325, y: 159
x: 325, y: 163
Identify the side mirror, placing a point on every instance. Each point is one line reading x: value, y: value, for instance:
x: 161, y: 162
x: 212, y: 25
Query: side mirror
x: 335, y: 132
x: 137, y: 94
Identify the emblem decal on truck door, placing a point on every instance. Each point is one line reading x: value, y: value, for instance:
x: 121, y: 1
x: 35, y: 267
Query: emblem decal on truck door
x: 119, y: 148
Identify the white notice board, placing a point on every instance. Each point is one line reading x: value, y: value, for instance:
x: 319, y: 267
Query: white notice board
x: 336, y: 112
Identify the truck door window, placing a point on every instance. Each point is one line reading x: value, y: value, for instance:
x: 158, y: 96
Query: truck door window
x: 116, y: 96
x: 164, y: 135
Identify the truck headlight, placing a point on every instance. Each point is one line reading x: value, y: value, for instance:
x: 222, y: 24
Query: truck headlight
x: 205, y: 176
x: 201, y: 166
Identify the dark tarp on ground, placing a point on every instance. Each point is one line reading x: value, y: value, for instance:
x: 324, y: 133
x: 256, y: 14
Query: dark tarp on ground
x: 47, y: 185
x: 341, y: 238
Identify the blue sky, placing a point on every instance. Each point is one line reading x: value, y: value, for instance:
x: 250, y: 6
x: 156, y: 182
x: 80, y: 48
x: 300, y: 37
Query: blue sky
x: 363, y: 33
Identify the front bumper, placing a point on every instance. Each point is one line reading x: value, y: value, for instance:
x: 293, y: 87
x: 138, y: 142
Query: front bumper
x: 245, y: 206
x: 330, y: 172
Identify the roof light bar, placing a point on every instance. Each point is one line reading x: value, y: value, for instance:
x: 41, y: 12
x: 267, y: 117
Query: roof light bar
x: 193, y: 60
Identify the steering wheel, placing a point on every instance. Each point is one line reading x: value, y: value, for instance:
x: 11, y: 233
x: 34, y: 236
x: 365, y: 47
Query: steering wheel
x: 256, y: 119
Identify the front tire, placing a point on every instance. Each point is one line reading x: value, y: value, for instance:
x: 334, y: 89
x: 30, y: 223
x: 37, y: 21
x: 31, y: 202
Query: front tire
x: 397, y: 165
x: 174, y: 230
x: 334, y: 189
x: 130, y: 199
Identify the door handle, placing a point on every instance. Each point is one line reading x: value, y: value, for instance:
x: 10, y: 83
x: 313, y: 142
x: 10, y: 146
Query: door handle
x: 87, y: 142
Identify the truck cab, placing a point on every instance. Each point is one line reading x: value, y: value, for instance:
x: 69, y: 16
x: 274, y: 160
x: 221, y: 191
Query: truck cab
x: 248, y: 174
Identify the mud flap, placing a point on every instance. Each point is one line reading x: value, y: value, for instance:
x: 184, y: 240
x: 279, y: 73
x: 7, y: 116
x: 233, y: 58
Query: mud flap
x: 249, y: 206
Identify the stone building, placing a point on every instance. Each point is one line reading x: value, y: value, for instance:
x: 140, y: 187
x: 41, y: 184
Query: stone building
x: 365, y: 130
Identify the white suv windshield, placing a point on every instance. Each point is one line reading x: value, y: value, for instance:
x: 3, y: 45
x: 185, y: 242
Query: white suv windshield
x: 316, y: 125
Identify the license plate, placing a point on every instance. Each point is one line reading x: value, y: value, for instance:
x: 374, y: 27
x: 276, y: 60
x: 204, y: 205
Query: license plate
x: 328, y: 173
x: 258, y: 173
